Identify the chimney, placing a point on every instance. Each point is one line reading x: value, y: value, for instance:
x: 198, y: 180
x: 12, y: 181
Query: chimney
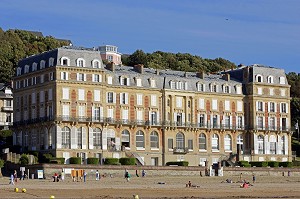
x: 111, y: 66
x: 185, y: 74
x: 201, y: 74
x: 157, y: 72
x: 226, y: 76
x: 139, y: 68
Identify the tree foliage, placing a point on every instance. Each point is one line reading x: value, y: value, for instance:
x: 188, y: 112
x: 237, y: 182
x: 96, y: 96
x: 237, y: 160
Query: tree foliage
x: 18, y: 44
x: 178, y: 61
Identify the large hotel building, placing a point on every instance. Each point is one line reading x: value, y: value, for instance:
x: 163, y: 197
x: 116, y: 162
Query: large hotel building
x: 68, y: 103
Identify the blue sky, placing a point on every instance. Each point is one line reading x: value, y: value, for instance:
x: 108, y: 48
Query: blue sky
x: 243, y: 31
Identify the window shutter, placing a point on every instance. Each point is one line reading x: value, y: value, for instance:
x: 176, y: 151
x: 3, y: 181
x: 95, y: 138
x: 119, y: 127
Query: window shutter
x: 104, y: 139
x: 58, y: 137
x: 114, y: 97
x: 157, y: 118
x: 118, y: 143
x: 101, y: 113
x: 91, y: 141
x: 267, y: 144
x: 175, y: 117
x: 126, y: 98
x: 287, y: 107
x: 73, y: 138
x: 121, y: 98
x: 201, y: 103
x: 61, y: 75
x: 77, y: 76
x: 97, y: 95
x: 286, y: 145
x: 183, y: 118
x: 83, y: 138
x: 128, y: 81
x: 278, y: 145
x: 256, y: 105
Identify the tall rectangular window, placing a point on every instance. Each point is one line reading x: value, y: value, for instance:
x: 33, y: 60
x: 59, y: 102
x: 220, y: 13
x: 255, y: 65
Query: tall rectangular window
x: 81, y: 95
x: 153, y: 100
x: 190, y: 144
x: 139, y: 99
x: 97, y: 95
x: 110, y: 97
x: 201, y: 120
x: 65, y: 93
x: 170, y: 143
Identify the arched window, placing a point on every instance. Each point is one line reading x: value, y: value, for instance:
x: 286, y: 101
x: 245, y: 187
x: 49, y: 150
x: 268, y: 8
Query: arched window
x: 65, y: 61
x: 125, y: 140
x: 80, y: 62
x: 180, y: 141
x: 96, y: 63
x: 200, y: 86
x: 51, y: 61
x: 65, y: 136
x: 42, y: 64
x: 270, y: 79
x: 226, y: 89
x: 215, y: 142
x: 283, y: 145
x: 34, y: 66
x: 240, y: 142
x: 26, y: 70
x: 79, y: 137
x: 260, y: 143
x: 281, y: 80
x: 140, y: 139
x: 202, y: 141
x: 227, y: 143
x: 97, y: 138
x: 19, y: 71
x: 154, y: 140
x: 259, y: 78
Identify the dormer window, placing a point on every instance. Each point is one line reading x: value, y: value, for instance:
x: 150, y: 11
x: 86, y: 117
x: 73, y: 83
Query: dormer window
x: 109, y: 79
x: 19, y: 71
x: 200, y: 87
x: 259, y: 78
x: 238, y: 89
x: 226, y: 89
x: 270, y: 79
x: 213, y: 88
x: 281, y: 80
x: 124, y: 81
x: 96, y: 63
x: 26, y: 69
x: 51, y: 62
x: 172, y: 84
x: 152, y: 83
x: 34, y: 66
x: 42, y: 64
x: 138, y: 82
x: 64, y: 61
x: 80, y: 62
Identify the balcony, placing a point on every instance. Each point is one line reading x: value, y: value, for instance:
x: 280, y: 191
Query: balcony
x: 177, y: 150
x: 7, y: 109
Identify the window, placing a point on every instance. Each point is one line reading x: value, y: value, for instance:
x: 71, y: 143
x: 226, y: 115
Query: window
x: 226, y: 89
x: 227, y: 143
x: 201, y: 104
x: 227, y: 121
x: 271, y: 91
x: 260, y: 142
x: 201, y: 120
x: 202, y: 141
x: 19, y: 71
x: 42, y: 64
x: 180, y: 141
x: 81, y: 113
x: 80, y: 62
x: 64, y: 61
x: 190, y: 145
x: 238, y: 89
x: 51, y: 61
x: 283, y: 145
x: 26, y: 69
x: 260, y: 123
x: 281, y: 80
x: 65, y: 111
x: 215, y: 121
x: 227, y: 105
x: 97, y: 95
x: 109, y: 79
x: 125, y: 138
x: 272, y: 123
x: 283, y: 108
x: 215, y: 104
x: 260, y: 106
x: 240, y: 122
x: 215, y: 142
x: 97, y: 78
x: 97, y: 138
x: 65, y: 135
x: 259, y: 91
x: 259, y: 78
x: 139, y: 82
x: 65, y: 93
x: 179, y: 102
x: 96, y: 113
x: 110, y: 58
x: 152, y: 83
x: 79, y: 137
x: 140, y: 141
x: 213, y: 88
x: 170, y: 143
x: 125, y: 81
x: 34, y: 66
x: 272, y: 144
x: 270, y: 79
x: 81, y: 94
x: 123, y: 98
x: 172, y: 84
x: 153, y: 100
x: 51, y: 76
x: 154, y: 140
x: 96, y: 64
x: 139, y: 99
x: 110, y: 97
x: 200, y: 87
x: 272, y: 107
x: 80, y: 77
x: 64, y: 75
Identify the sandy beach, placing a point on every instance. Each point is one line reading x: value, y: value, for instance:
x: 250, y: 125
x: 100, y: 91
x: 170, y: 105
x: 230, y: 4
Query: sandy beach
x: 163, y: 187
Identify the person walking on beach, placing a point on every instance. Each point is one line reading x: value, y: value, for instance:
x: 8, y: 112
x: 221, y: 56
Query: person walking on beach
x: 12, y: 180
x: 97, y: 175
x: 253, y: 178
x: 62, y: 175
x: 127, y: 176
x: 84, y: 176
x: 15, y: 176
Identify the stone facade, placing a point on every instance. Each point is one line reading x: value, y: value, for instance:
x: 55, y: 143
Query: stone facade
x: 69, y: 104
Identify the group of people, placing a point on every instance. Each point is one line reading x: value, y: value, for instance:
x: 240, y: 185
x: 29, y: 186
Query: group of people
x: 14, y: 177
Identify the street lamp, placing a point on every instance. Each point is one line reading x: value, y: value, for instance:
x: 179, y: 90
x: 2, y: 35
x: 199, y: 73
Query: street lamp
x: 297, y: 127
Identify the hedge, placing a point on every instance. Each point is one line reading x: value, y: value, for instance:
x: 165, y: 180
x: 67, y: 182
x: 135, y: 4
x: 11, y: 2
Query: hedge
x: 181, y: 163
x: 24, y: 159
x: 273, y: 164
x: 75, y: 160
x: 259, y: 164
x: 286, y: 164
x: 111, y: 161
x: 127, y: 161
x: 60, y: 160
x: 296, y: 163
x: 93, y: 161
x: 244, y: 164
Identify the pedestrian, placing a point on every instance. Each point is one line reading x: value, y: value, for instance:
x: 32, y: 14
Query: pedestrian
x: 143, y: 173
x: 97, y: 175
x: 84, y: 176
x: 15, y: 176
x: 22, y: 175
x: 62, y: 175
x: 241, y: 175
x: 12, y: 180
x: 127, y: 175
x: 253, y: 178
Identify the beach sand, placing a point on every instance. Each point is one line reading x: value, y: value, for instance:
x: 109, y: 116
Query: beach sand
x: 163, y: 187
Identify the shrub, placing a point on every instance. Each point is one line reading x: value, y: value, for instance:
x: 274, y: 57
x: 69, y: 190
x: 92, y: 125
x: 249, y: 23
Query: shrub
x: 61, y: 160
x: 75, y: 160
x: 180, y: 163
x: 273, y: 164
x: 111, y: 161
x: 296, y: 163
x: 244, y: 164
x: 286, y: 164
x: 259, y: 164
x: 1, y: 163
x: 127, y: 161
x: 93, y: 161
x: 24, y: 159
x: 45, y: 158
